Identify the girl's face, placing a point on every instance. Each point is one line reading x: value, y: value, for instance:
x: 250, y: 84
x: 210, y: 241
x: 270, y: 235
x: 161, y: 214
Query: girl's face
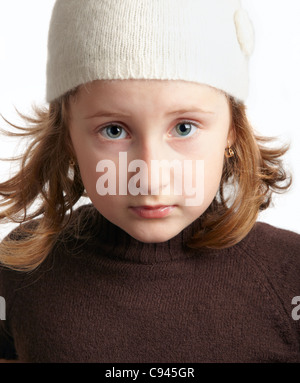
x: 127, y: 132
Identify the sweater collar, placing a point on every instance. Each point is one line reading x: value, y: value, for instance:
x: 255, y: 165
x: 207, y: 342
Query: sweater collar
x: 113, y: 242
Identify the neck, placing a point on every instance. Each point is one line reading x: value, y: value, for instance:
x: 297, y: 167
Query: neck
x: 115, y: 242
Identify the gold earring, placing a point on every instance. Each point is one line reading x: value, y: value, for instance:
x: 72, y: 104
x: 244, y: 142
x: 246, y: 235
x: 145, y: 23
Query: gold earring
x: 72, y: 162
x: 229, y: 151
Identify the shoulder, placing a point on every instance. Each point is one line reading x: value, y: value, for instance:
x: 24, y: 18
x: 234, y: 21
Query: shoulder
x: 275, y: 240
x: 275, y: 255
x: 81, y: 221
x: 71, y: 237
x: 77, y: 228
x: 271, y: 245
x: 80, y: 217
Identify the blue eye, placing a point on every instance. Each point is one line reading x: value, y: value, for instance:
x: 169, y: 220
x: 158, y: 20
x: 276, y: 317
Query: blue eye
x: 113, y: 132
x: 185, y: 129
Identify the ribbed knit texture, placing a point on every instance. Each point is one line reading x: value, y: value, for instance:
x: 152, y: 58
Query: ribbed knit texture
x: 192, y: 40
x: 114, y: 299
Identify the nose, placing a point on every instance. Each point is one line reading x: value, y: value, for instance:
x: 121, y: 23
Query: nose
x: 151, y: 149
x: 152, y: 156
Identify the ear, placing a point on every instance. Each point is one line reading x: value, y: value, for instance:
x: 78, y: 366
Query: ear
x: 231, y: 137
x: 69, y: 146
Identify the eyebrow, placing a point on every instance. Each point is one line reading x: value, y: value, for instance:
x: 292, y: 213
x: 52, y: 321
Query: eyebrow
x: 190, y: 110
x: 107, y: 114
x: 178, y: 111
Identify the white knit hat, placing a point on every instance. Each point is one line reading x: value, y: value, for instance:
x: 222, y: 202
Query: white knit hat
x: 203, y: 41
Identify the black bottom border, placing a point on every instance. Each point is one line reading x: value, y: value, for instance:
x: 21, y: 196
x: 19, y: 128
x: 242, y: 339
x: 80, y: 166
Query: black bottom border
x: 149, y: 372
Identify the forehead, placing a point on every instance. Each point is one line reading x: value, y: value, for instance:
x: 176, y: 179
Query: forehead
x: 117, y: 88
x: 162, y: 93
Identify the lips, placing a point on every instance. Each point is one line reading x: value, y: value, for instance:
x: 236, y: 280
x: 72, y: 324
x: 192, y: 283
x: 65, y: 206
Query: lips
x: 157, y: 211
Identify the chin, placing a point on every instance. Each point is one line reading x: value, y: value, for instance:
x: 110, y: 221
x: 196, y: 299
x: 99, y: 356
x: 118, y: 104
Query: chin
x: 152, y: 236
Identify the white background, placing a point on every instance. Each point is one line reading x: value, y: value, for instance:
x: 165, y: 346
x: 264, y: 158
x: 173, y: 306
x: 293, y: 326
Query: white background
x: 273, y: 104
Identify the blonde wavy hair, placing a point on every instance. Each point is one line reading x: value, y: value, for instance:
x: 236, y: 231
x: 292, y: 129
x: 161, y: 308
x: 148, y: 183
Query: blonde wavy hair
x: 248, y: 181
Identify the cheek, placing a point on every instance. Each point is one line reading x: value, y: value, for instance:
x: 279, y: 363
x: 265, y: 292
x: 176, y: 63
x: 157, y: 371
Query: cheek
x: 212, y: 152
x: 87, y: 160
x: 213, y: 161
x: 213, y: 168
x: 108, y: 205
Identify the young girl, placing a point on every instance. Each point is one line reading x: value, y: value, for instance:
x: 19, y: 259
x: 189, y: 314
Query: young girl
x: 147, y: 118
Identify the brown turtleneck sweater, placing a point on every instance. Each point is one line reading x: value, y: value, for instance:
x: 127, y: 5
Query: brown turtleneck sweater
x: 114, y: 299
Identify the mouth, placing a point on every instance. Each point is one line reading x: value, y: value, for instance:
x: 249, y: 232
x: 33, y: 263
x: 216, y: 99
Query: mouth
x: 155, y: 211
